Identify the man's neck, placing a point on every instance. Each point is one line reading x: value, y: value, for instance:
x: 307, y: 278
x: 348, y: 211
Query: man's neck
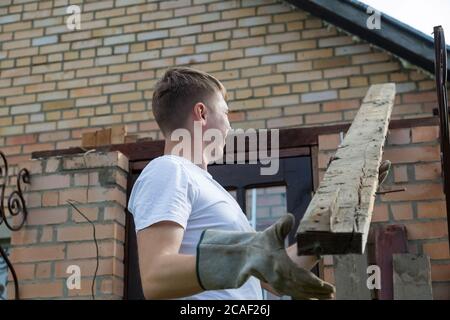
x: 168, y: 150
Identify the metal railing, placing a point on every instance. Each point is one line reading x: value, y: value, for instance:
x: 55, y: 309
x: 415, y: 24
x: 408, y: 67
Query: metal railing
x: 15, y: 207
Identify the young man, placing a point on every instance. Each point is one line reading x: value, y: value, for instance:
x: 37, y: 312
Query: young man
x: 175, y: 200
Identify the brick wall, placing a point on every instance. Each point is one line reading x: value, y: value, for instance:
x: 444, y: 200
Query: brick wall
x: 415, y: 156
x: 57, y: 236
x: 282, y: 67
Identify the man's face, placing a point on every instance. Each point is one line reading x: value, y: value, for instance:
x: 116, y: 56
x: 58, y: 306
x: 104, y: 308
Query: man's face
x: 218, y: 117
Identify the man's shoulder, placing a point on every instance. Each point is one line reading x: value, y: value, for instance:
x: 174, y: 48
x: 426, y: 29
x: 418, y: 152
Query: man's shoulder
x: 165, y: 167
x: 164, y: 162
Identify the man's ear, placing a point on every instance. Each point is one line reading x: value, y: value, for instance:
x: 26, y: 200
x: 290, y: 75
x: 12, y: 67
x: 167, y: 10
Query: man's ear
x: 199, y: 112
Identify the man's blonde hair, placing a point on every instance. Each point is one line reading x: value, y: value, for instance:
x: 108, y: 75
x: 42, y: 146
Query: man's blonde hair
x: 178, y: 91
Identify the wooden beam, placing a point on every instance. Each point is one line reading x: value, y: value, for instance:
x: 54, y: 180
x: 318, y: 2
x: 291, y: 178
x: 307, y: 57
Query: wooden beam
x: 338, y: 218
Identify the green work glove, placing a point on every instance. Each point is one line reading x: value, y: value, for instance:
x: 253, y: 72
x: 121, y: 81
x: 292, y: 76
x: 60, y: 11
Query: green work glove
x: 226, y: 259
x: 383, y: 171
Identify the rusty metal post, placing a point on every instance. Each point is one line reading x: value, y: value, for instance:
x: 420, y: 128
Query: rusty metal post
x: 440, y: 65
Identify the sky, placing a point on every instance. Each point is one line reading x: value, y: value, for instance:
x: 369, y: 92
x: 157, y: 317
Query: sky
x: 422, y: 15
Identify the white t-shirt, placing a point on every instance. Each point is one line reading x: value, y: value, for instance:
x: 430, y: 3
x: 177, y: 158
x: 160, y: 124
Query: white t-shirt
x: 173, y: 188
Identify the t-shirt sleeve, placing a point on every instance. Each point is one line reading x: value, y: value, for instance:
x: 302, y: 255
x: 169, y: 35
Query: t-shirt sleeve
x: 162, y: 193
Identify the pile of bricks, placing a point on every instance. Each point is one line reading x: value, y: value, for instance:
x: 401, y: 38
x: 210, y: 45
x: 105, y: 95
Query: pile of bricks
x: 56, y: 236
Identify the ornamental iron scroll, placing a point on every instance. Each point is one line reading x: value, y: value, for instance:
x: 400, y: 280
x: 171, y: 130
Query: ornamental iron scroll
x: 16, y: 208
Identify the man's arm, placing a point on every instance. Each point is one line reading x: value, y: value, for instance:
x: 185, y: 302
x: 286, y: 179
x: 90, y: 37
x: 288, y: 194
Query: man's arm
x: 165, y: 274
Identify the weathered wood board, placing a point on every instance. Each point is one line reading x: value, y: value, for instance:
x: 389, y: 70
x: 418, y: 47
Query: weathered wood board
x: 337, y: 219
x: 389, y: 240
x: 412, y: 277
x: 350, y: 272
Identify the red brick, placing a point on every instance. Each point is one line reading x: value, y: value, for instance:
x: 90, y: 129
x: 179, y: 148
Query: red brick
x: 38, y: 253
x: 87, y: 267
x: 110, y: 248
x: 50, y: 182
x: 43, y: 270
x: 402, y: 211
x: 437, y: 250
x: 236, y: 116
x: 428, y: 171
x: 23, y: 271
x: 329, y: 141
x: 441, y: 291
x: 76, y: 194
x: 440, y: 272
x: 416, y: 192
x: 400, y: 174
x: 85, y: 289
x: 427, y: 230
x: 434, y: 209
x: 380, y: 213
x: 45, y: 216
x: 75, y: 233
x: 89, y: 212
x: 41, y: 289
x: 47, y: 234
x: 419, y: 97
x: 412, y: 154
x: 23, y: 236
x: 115, y: 213
x: 399, y: 136
x: 24, y: 139
x: 33, y: 200
x: 425, y: 134
x: 341, y: 105
x: 99, y: 194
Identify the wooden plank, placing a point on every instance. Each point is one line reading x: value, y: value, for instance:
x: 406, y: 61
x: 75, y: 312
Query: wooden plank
x: 389, y: 239
x: 350, y: 272
x: 412, y: 277
x: 339, y: 223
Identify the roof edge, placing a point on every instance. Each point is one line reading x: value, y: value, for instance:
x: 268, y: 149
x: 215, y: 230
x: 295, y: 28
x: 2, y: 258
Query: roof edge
x: 394, y: 36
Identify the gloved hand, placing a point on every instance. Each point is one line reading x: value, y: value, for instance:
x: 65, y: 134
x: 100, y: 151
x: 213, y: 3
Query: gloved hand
x: 383, y: 171
x: 226, y: 259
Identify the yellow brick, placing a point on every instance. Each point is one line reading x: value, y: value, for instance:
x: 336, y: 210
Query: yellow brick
x: 238, y: 13
x: 6, y: 121
x: 264, y: 114
x: 133, y: 96
x: 319, y: 85
x: 23, y: 119
x: 121, y: 68
x: 55, y: 115
x: 75, y: 123
x: 58, y: 104
x: 86, y: 112
x: 70, y: 114
x: 106, y: 120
